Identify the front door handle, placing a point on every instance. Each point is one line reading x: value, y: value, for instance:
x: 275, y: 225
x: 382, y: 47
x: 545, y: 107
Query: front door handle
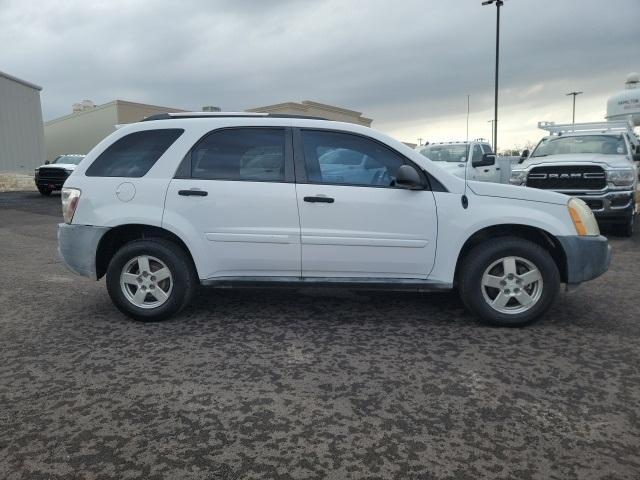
x: 193, y: 193
x: 319, y: 199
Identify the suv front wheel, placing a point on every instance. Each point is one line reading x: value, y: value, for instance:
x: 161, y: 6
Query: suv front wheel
x: 508, y: 281
x: 151, y: 279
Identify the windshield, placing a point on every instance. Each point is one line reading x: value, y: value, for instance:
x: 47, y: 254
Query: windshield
x: 69, y: 159
x: 601, y: 144
x: 446, y: 153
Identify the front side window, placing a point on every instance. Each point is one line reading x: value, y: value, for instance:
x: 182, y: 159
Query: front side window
x: 249, y: 154
x: 133, y: 155
x: 600, y: 144
x: 346, y: 159
x: 486, y: 148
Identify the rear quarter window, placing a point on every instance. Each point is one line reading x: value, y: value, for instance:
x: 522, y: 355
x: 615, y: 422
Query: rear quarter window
x: 133, y: 155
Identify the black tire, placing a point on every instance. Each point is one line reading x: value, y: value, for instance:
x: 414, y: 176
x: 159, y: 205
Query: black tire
x: 185, y: 282
x: 625, y: 229
x: 45, y: 191
x: 483, y: 256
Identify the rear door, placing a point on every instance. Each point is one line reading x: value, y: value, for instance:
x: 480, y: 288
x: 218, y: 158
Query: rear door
x: 354, y: 221
x: 234, y: 196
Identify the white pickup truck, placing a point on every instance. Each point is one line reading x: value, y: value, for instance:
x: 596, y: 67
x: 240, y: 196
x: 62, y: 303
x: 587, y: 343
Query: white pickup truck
x: 472, y: 160
x: 181, y: 200
x: 597, y: 162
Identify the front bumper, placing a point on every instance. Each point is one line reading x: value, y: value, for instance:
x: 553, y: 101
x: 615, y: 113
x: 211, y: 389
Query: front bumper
x: 611, y: 205
x: 588, y: 257
x: 77, y: 247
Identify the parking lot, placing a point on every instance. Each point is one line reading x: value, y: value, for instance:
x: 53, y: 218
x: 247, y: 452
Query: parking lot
x: 284, y: 384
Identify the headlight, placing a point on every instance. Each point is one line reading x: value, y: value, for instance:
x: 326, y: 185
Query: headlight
x: 582, y: 217
x: 70, y: 198
x: 518, y: 177
x: 69, y: 172
x: 624, y: 177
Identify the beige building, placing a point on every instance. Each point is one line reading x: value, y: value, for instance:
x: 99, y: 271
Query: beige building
x: 21, y: 134
x: 83, y: 129
x: 315, y: 109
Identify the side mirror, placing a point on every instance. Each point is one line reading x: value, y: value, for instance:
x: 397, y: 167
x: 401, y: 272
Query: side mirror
x: 486, y: 160
x: 408, y: 177
x: 525, y: 153
x: 47, y: 162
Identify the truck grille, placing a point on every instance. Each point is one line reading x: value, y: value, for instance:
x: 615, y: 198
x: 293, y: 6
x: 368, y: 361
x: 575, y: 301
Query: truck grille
x: 578, y: 177
x: 55, y: 174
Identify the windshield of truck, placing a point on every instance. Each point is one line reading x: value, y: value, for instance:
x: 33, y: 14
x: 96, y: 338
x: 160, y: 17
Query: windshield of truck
x: 601, y: 144
x: 446, y: 153
x: 69, y: 159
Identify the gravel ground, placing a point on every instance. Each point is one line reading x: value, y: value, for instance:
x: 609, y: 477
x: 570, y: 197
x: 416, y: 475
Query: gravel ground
x: 249, y: 384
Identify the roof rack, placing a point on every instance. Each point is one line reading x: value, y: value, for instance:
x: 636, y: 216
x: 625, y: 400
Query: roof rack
x: 181, y: 115
x: 594, y: 127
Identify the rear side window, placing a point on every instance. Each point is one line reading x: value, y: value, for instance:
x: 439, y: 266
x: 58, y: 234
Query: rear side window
x: 477, y: 153
x: 249, y: 154
x: 134, y: 154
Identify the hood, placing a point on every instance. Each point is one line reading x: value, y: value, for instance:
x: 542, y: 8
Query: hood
x: 487, y: 189
x: 611, y: 161
x: 65, y: 166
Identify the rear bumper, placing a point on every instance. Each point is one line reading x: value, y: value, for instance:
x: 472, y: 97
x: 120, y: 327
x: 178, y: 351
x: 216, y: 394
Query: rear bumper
x: 587, y: 257
x: 77, y: 247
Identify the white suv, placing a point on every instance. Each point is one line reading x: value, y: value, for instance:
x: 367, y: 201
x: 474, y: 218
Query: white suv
x: 181, y: 200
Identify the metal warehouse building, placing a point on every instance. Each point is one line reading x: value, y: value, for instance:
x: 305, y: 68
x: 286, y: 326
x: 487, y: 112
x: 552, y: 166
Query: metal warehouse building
x: 21, y: 132
x: 89, y: 124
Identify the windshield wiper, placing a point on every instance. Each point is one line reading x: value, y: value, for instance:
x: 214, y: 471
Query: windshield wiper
x: 536, y: 156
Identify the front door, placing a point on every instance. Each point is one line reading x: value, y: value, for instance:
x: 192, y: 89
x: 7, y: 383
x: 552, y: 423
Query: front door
x: 481, y: 174
x: 235, y: 198
x: 354, y: 221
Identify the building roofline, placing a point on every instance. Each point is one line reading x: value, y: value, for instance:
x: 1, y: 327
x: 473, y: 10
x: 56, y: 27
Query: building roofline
x: 305, y: 104
x: 19, y: 80
x: 106, y: 105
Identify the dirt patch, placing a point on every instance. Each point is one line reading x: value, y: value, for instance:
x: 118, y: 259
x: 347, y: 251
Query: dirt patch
x: 11, y: 182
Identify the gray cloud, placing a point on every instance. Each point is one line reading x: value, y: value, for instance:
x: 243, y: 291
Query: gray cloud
x: 406, y: 63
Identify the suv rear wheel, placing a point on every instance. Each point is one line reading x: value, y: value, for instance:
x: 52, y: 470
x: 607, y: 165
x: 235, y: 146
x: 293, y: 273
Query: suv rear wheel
x: 508, y: 281
x: 151, y: 279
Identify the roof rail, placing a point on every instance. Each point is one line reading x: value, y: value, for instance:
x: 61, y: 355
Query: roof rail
x: 594, y: 127
x: 181, y: 115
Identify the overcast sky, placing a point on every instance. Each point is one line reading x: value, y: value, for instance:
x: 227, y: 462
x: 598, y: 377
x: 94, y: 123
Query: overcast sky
x: 408, y: 64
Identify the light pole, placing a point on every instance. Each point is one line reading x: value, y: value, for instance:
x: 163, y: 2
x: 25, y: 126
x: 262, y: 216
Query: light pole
x: 492, y: 132
x: 574, y: 94
x: 468, y: 96
x: 498, y: 3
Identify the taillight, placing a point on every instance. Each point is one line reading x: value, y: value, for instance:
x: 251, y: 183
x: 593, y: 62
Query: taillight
x: 70, y: 198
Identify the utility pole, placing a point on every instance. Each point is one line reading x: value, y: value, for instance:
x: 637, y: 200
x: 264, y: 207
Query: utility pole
x: 468, y: 95
x: 574, y: 94
x: 420, y: 142
x: 498, y: 4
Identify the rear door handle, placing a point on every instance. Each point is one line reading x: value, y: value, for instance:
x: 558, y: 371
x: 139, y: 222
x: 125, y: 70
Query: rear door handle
x: 486, y: 169
x: 319, y: 199
x: 193, y: 193
x: 497, y: 168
